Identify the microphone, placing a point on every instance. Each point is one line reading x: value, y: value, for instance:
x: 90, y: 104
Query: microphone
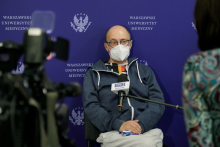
x: 120, y: 100
x: 120, y: 89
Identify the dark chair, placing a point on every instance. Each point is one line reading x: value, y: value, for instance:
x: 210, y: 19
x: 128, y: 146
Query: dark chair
x: 92, y: 133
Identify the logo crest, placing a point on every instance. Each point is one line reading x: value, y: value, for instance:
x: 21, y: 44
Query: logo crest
x: 80, y: 22
x: 143, y: 62
x: 77, y: 116
x: 19, y: 69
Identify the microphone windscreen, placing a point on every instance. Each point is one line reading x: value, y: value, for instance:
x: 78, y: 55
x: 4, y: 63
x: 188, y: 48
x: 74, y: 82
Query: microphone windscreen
x: 122, y: 78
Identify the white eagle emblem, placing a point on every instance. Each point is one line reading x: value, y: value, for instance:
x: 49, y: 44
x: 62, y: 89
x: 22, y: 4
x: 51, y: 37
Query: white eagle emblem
x: 78, y: 117
x: 19, y: 69
x: 80, y: 24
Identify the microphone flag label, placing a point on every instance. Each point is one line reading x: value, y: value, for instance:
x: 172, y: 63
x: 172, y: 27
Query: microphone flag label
x: 124, y: 86
x: 119, y: 84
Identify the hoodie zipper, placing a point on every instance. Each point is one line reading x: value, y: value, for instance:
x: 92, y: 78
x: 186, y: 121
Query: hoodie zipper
x: 129, y: 103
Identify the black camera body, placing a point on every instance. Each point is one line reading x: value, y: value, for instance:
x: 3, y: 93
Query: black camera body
x: 37, y: 45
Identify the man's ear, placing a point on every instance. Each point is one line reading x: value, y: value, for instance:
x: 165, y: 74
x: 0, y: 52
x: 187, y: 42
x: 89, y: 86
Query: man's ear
x: 106, y: 47
x: 131, y: 44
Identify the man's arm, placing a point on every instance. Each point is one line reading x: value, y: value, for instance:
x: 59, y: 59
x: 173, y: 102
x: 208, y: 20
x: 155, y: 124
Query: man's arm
x: 153, y: 112
x: 102, y: 119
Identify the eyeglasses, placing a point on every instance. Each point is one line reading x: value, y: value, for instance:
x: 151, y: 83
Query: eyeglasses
x: 114, y: 43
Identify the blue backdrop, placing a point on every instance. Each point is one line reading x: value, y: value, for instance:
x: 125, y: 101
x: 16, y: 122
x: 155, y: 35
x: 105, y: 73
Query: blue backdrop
x: 163, y: 36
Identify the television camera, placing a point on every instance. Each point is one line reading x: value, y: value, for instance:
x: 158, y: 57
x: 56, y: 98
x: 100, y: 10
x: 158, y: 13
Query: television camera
x: 28, y: 117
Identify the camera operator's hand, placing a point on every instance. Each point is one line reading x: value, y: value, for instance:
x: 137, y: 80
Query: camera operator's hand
x: 131, y: 125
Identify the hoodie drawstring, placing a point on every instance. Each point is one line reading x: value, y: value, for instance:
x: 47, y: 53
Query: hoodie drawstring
x: 98, y: 78
x: 139, y: 73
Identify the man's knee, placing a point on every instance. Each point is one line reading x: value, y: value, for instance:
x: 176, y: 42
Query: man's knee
x: 148, y: 143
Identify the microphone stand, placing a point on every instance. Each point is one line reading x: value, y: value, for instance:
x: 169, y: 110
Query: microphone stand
x: 144, y: 99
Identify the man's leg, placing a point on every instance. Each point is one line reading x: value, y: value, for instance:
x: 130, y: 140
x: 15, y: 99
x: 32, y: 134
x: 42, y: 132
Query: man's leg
x: 152, y: 138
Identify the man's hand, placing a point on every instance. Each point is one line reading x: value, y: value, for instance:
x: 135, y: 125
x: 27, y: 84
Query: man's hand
x: 131, y: 125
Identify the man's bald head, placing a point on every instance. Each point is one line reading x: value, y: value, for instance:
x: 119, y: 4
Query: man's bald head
x: 116, y: 30
x: 114, y: 36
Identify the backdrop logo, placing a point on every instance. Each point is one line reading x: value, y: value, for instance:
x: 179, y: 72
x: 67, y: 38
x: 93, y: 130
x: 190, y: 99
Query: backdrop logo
x: 19, y: 69
x: 16, y: 23
x: 77, y: 70
x: 142, y: 23
x: 142, y: 61
x: 77, y: 116
x: 80, y: 22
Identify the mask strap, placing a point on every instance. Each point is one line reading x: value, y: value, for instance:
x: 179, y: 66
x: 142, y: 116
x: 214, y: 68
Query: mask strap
x: 107, y: 46
x: 129, y: 43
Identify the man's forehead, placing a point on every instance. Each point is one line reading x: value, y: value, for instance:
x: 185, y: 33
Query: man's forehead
x: 117, y: 32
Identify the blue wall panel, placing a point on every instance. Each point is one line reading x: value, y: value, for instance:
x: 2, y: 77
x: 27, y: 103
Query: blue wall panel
x: 163, y: 36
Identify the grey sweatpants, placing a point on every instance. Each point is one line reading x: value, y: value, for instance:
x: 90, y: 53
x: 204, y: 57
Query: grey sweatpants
x: 152, y: 138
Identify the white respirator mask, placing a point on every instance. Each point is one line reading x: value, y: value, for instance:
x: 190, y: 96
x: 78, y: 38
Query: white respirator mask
x: 120, y: 52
